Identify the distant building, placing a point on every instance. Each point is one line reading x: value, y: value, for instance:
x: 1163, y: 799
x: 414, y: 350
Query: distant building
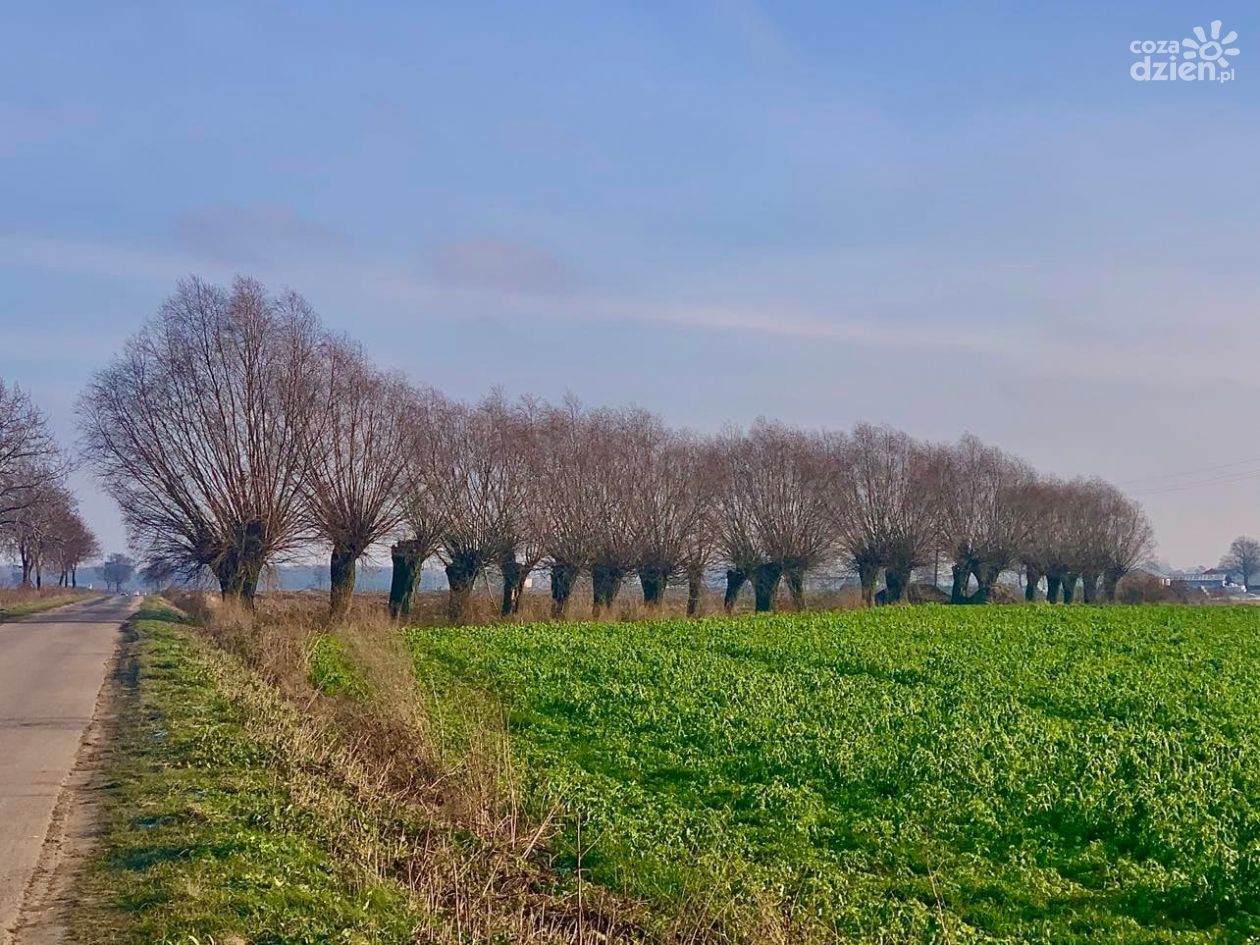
x: 1210, y: 580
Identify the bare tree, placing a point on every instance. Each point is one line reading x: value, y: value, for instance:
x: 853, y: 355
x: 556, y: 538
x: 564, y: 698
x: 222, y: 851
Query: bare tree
x: 199, y: 429
x: 482, y: 483
x: 668, y: 495
x: 1128, y: 539
x: 775, y: 513
x: 72, y: 543
x: 735, y: 521
x: 421, y: 499
x: 616, y: 436
x: 885, y: 499
x: 117, y: 570
x: 984, y: 520
x: 1037, y: 503
x: 29, y: 457
x: 1244, y: 557
x: 357, y: 455
x: 35, y: 531
x: 566, y: 464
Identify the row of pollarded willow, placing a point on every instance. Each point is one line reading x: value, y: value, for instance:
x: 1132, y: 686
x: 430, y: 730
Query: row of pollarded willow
x: 234, y: 429
x: 39, y: 518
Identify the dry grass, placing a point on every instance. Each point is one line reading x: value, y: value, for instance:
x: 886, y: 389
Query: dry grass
x: 20, y: 601
x: 396, y: 803
x: 403, y: 803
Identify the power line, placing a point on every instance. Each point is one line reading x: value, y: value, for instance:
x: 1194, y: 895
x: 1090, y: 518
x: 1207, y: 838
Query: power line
x: 1219, y: 480
x: 1188, y: 472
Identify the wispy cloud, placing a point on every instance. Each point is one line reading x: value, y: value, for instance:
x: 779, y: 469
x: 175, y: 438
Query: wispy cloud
x: 484, y: 278
x: 500, y: 266
x: 255, y: 234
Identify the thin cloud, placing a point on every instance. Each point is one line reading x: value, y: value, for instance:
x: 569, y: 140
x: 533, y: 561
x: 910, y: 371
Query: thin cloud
x: 499, y: 266
x: 255, y: 234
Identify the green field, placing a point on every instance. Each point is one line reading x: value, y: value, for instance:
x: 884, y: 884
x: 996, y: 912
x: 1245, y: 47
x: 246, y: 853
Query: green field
x: 902, y: 774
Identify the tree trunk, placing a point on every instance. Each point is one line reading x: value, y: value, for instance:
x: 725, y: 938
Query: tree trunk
x: 1069, y: 587
x: 1032, y: 577
x: 1111, y: 581
x: 735, y: 580
x: 962, y: 577
x: 695, y: 586
x: 1089, y: 586
x: 1054, y: 584
x: 563, y: 577
x: 407, y: 566
x: 654, y: 579
x: 606, y: 582
x: 868, y: 576
x: 240, y: 566
x: 765, y: 585
x: 986, y: 578
x: 896, y: 581
x: 74, y: 577
x: 341, y: 574
x: 795, y: 579
x: 513, y: 584
x: 461, y: 575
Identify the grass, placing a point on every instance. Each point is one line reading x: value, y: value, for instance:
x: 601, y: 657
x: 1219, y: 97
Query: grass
x: 205, y: 839
x: 23, y: 603
x: 330, y: 670
x: 1026, y: 774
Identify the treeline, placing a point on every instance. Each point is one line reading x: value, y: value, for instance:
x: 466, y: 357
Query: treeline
x: 234, y: 429
x: 40, y: 523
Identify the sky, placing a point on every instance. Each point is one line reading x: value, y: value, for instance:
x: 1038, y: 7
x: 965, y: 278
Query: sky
x: 950, y: 220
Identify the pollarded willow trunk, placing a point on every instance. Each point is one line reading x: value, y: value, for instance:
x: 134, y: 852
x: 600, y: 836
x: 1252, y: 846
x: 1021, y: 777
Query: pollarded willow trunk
x: 513, y: 584
x: 240, y: 565
x: 896, y: 583
x: 868, y: 577
x: 695, y: 587
x: 1110, y: 583
x: 1054, y: 586
x: 1069, y: 586
x: 563, y: 576
x: 654, y: 579
x: 765, y: 585
x: 461, y: 575
x: 986, y: 578
x: 962, y: 577
x: 1032, y: 577
x: 735, y: 580
x: 1089, y: 586
x: 606, y: 582
x: 795, y: 580
x: 407, y: 560
x: 341, y: 573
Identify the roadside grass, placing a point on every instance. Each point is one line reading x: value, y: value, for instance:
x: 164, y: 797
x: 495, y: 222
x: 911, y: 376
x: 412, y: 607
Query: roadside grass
x: 277, y: 783
x: 926, y: 774
x: 203, y: 839
x: 23, y: 603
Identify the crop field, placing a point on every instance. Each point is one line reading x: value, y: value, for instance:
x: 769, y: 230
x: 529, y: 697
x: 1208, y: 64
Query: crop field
x: 902, y: 774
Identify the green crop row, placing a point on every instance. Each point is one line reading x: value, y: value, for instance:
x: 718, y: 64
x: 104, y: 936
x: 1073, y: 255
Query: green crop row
x: 952, y: 774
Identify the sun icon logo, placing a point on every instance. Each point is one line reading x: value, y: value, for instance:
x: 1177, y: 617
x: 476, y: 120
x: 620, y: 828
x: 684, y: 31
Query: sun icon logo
x: 1216, y: 49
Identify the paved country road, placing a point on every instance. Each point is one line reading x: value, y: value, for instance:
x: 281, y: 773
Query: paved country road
x: 52, y: 666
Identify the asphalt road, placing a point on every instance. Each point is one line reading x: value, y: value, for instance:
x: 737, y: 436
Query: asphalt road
x: 52, y: 666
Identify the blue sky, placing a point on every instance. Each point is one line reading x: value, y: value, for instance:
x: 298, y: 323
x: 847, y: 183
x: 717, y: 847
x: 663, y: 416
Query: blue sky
x: 946, y: 219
